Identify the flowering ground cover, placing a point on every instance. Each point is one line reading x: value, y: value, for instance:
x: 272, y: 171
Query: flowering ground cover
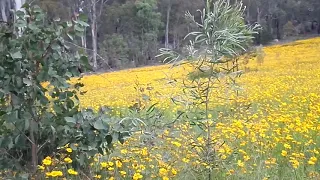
x: 270, y: 130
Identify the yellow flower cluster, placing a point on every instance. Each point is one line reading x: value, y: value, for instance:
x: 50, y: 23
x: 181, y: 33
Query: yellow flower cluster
x: 54, y: 174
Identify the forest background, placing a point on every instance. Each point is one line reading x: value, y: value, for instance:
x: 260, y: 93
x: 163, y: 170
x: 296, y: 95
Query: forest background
x: 128, y: 33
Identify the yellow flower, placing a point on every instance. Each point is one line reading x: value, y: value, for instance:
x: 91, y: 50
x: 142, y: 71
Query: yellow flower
x: 176, y: 143
x: 110, y: 163
x: 48, y: 174
x: 240, y: 163
x: 137, y: 176
x: 246, y: 158
x: 103, y: 164
x: 40, y: 167
x: 186, y: 160
x: 47, y: 161
x: 111, y: 178
x: 287, y: 146
x: 165, y: 178
x: 67, y: 160
x: 230, y: 172
x: 124, y: 151
x: 118, y: 163
x: 54, y: 174
x: 123, y: 173
x: 223, y: 157
x: 69, y: 150
x: 144, y: 152
x: 72, y: 172
x: 174, y: 171
x: 209, y: 116
x: 97, y: 176
x: 284, y: 153
x: 312, y: 161
x: 294, y: 163
x: 163, y: 172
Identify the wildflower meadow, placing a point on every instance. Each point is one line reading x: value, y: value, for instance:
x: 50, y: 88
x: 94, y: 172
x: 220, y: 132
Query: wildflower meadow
x: 271, y: 133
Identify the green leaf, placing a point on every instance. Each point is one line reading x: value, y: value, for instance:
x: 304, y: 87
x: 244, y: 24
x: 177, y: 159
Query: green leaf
x: 83, y: 23
x: 26, y: 81
x: 10, y: 143
x: 26, y: 124
x: 53, y: 130
x: 78, y: 28
x: 21, y: 24
x: 70, y: 120
x: 37, y: 9
x: 20, y: 14
x: 12, y: 117
x: 25, y: 6
x: 82, y: 159
x: 16, y: 55
x: 16, y: 139
x: 100, y: 125
x: 83, y: 17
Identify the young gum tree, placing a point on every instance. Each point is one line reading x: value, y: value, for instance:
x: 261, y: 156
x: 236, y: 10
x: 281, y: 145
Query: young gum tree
x: 222, y: 37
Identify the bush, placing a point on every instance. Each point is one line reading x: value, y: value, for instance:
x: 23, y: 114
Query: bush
x: 39, y: 102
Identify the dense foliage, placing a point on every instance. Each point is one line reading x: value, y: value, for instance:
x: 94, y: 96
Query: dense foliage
x: 140, y: 27
x: 39, y: 106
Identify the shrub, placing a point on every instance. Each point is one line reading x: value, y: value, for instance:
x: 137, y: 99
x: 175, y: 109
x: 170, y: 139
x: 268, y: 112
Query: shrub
x: 39, y: 100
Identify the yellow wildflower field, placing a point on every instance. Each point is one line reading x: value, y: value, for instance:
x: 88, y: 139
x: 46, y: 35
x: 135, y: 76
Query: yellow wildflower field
x: 287, y: 69
x: 272, y: 133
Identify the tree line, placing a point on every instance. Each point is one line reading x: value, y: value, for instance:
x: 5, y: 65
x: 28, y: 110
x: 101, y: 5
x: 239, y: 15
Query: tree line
x: 128, y: 33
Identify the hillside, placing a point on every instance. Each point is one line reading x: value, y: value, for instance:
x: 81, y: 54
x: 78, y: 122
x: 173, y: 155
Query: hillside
x: 285, y: 67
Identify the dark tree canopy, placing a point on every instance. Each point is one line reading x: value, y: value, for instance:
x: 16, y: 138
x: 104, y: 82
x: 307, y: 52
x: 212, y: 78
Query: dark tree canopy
x: 128, y: 33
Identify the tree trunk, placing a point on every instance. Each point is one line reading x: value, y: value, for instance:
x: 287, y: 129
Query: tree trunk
x: 94, y: 34
x: 248, y: 13
x: 174, y: 40
x: 3, y: 11
x: 166, y: 44
x: 259, y: 22
x: 278, y: 28
x: 259, y: 15
x: 34, y: 147
x: 84, y: 39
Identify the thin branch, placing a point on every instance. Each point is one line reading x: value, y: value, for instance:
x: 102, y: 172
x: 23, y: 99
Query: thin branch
x: 43, y: 145
x: 23, y: 134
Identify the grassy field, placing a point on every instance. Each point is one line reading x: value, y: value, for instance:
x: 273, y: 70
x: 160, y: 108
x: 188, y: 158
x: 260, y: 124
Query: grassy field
x: 270, y: 131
